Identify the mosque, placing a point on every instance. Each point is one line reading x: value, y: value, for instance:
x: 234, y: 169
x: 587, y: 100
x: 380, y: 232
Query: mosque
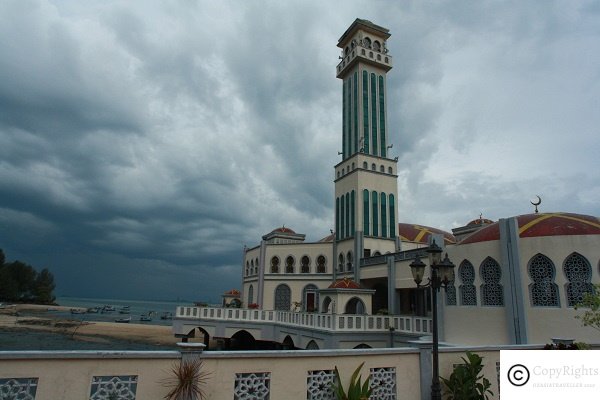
x: 516, y: 280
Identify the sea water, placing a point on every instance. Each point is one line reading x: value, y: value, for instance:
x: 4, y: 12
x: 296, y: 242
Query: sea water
x: 19, y: 339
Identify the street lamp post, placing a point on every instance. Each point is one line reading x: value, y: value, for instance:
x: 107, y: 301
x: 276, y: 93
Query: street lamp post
x: 441, y: 274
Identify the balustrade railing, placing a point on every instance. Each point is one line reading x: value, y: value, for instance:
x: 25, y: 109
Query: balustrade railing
x: 326, y: 322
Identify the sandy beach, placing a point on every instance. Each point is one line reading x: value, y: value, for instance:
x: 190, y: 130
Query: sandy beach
x: 29, y: 317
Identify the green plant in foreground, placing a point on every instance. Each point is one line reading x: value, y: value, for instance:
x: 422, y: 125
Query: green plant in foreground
x: 187, y: 381
x: 466, y: 383
x: 591, y: 304
x: 356, y: 389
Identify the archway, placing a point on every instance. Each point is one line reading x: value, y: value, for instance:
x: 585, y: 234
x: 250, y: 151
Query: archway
x: 242, y: 340
x: 203, y: 337
x: 326, y: 304
x: 363, y: 346
x: 312, y: 345
x: 355, y: 306
x: 288, y: 343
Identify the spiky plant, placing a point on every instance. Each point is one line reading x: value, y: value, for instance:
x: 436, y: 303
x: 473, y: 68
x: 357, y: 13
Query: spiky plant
x: 188, y: 380
x: 356, y: 389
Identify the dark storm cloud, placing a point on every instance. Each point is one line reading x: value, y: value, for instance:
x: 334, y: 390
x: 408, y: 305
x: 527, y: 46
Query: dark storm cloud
x: 152, y: 140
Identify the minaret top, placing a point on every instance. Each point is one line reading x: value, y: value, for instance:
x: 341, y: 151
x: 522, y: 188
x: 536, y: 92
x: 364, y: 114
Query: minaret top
x: 364, y: 41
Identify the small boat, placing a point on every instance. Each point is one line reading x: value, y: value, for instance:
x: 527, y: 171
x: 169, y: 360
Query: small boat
x: 93, y: 310
x: 107, y: 309
x: 166, y: 315
x: 123, y: 320
x: 124, y: 310
x: 77, y: 311
x: 145, y: 318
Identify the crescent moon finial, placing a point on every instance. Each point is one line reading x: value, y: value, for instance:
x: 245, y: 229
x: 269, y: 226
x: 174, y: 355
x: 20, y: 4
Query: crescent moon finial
x: 539, y: 201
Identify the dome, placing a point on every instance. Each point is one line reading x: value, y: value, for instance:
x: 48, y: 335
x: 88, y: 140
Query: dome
x: 543, y: 224
x: 328, y: 238
x: 345, y: 284
x: 283, y: 229
x: 480, y: 221
x: 420, y: 233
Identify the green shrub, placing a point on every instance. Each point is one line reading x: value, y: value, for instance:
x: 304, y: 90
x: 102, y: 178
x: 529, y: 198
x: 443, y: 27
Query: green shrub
x: 356, y: 389
x: 466, y: 383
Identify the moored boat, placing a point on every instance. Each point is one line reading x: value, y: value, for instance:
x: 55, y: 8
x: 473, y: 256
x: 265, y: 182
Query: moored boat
x: 123, y: 320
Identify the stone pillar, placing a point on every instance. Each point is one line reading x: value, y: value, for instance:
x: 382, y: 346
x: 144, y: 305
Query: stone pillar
x: 425, y: 370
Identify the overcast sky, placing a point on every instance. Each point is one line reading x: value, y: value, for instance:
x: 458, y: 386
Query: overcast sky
x: 144, y: 143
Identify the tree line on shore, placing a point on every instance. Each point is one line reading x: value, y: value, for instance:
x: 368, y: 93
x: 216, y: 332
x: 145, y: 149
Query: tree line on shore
x: 20, y: 282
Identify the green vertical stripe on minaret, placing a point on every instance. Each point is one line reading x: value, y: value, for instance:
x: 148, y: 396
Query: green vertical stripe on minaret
x: 383, y: 215
x: 392, y: 217
x: 374, y: 114
x: 366, y: 230
x: 337, y: 218
x: 355, y: 83
x: 383, y: 152
x: 365, y: 104
x: 375, y: 213
x: 352, y: 214
x: 342, y: 209
x: 344, y: 127
x: 349, y: 118
x: 347, y: 215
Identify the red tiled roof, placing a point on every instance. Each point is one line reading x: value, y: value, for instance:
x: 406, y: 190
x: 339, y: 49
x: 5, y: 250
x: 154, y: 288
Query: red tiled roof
x: 420, y: 233
x: 546, y: 224
x: 283, y: 229
x: 345, y: 284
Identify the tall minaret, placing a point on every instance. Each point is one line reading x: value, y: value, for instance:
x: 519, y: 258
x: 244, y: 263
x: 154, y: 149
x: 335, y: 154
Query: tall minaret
x: 366, y: 179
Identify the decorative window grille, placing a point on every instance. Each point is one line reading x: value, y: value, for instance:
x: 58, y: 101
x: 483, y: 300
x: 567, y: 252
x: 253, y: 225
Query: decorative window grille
x: 492, y: 293
x: 579, y: 273
x: 114, y: 387
x: 468, y: 292
x: 305, y: 269
x: 383, y: 383
x: 289, y: 265
x: 283, y: 297
x: 543, y: 291
x: 321, y: 264
x: 451, y: 294
x: 319, y: 385
x: 275, y: 265
x: 252, y: 386
x: 18, y: 388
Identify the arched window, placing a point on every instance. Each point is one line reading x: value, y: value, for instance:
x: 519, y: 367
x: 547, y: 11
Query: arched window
x: 321, y: 264
x: 283, y: 295
x: 382, y: 169
x: 579, y: 273
x: 305, y: 268
x: 492, y: 293
x: 341, y: 262
x: 326, y: 303
x: 353, y: 167
x: 390, y: 170
x: 376, y: 45
x: 468, y: 292
x: 289, y: 265
x: 312, y: 345
x: 349, y: 261
x: 310, y: 298
x: 247, y: 268
x: 365, y: 165
x: 275, y: 265
x: 256, y: 266
x: 250, y: 295
x: 373, y: 167
x: 367, y: 43
x: 543, y: 292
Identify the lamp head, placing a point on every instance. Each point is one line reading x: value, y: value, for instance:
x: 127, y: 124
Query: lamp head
x: 417, y: 267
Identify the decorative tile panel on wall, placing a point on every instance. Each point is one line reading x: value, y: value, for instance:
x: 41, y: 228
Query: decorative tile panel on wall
x: 319, y: 385
x: 18, y: 388
x: 121, y: 387
x: 383, y: 383
x: 252, y: 386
